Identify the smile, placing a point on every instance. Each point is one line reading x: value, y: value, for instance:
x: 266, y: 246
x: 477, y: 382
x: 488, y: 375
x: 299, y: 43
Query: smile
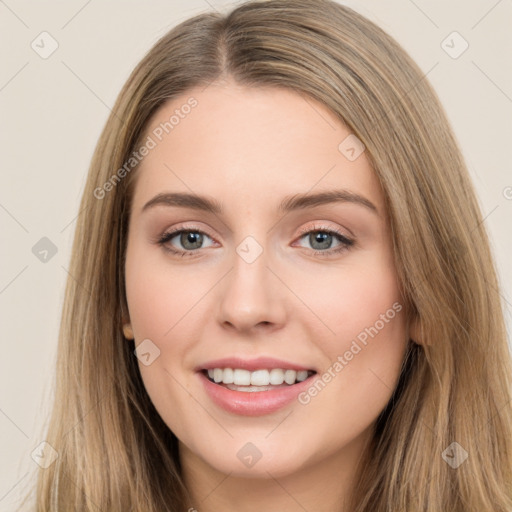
x: 253, y: 388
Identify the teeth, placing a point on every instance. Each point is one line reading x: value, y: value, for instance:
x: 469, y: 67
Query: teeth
x: 290, y: 376
x: 276, y: 376
x: 302, y: 375
x: 217, y: 374
x: 228, y: 376
x: 273, y: 377
x: 260, y: 378
x: 241, y: 377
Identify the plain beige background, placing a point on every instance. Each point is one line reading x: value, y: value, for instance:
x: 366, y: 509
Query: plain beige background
x: 52, y: 112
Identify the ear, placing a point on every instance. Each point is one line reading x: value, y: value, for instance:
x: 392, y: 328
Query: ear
x: 128, y: 331
x: 125, y: 321
x: 415, y: 331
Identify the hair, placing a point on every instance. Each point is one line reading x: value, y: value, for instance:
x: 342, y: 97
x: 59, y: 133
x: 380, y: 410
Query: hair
x: 115, y: 451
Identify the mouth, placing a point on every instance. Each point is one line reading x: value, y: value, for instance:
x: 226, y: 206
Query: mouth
x: 257, y: 389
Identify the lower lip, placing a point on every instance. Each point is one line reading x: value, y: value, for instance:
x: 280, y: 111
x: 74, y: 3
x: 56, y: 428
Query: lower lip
x: 254, y: 403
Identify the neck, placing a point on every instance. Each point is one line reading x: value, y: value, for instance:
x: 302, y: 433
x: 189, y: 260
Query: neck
x: 324, y: 486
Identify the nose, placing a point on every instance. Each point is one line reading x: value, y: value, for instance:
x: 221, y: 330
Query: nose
x: 251, y: 297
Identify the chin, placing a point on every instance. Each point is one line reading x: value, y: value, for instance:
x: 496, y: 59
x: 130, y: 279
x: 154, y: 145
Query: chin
x: 254, y: 459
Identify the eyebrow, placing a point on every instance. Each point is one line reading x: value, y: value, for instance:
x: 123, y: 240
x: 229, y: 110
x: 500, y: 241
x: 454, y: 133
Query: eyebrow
x: 290, y: 203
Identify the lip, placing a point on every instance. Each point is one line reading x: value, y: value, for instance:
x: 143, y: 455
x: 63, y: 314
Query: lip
x: 257, y: 403
x: 260, y: 363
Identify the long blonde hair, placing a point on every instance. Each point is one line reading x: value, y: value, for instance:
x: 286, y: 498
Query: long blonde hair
x: 115, y: 452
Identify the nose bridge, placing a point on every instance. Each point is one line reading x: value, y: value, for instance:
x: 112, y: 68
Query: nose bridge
x: 251, y: 294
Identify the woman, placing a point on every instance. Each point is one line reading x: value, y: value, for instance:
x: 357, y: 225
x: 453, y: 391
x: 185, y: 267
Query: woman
x: 283, y: 294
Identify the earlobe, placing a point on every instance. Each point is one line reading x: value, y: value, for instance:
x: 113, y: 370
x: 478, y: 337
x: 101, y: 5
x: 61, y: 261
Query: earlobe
x: 128, y: 331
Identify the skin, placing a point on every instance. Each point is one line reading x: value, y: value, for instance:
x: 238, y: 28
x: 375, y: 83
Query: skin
x: 249, y: 148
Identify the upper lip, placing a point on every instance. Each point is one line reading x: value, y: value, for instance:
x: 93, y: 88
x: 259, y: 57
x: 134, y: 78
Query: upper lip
x: 259, y: 363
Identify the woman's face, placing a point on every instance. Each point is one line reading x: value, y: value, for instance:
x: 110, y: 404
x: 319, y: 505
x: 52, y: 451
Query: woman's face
x: 276, y: 282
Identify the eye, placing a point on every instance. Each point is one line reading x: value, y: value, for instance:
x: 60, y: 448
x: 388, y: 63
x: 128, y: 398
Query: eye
x: 321, y: 239
x: 191, y: 239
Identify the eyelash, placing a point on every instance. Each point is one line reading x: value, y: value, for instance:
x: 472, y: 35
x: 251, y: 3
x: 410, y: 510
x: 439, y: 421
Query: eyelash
x: 345, y: 242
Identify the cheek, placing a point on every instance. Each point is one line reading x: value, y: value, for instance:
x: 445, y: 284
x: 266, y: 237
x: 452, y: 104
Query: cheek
x: 165, y: 307
x: 352, y: 301
x: 365, y: 352
x: 154, y: 307
x: 160, y: 298
x: 364, y: 344
x: 161, y: 306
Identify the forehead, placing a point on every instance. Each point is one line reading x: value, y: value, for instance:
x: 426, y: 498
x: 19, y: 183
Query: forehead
x: 252, y: 143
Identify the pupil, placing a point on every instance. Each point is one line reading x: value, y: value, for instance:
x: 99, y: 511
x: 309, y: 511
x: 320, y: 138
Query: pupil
x: 322, y: 238
x: 193, y: 238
